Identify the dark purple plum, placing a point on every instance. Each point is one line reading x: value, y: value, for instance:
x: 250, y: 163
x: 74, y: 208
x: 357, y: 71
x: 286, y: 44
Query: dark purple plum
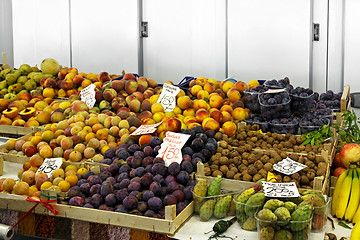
x: 159, y: 168
x: 94, y: 179
x: 76, y: 201
x: 147, y: 195
x: 142, y: 207
x: 110, y: 200
x: 211, y: 147
x: 163, y: 191
x: 169, y: 200
x: 156, y: 150
x: 96, y: 200
x: 134, y: 193
x: 135, y: 179
x: 135, y: 162
x: 81, y: 181
x: 124, y: 183
x: 116, y: 186
x: 183, y: 177
x: 124, y: 168
x: 173, y: 186
x: 88, y: 174
x: 123, y: 154
x: 174, y: 168
x: 122, y: 176
x: 154, y: 141
x: 148, y: 168
x: 121, y: 194
x: 87, y: 200
x: 132, y: 173
x: 110, y: 153
x: 149, y: 213
x: 146, y: 180
x: 179, y: 194
x: 79, y: 176
x: 147, y: 161
x: 202, y: 136
x: 130, y: 203
x: 179, y: 207
x: 186, y: 158
x: 187, y: 151
x: 120, y: 208
x: 148, y: 151
x: 162, y: 212
x: 187, y: 166
x: 103, y: 207
x: 104, y: 175
x: 194, y: 162
x: 188, y: 193
x: 139, y: 172
x: 155, y: 188
x: 198, y: 129
x: 134, y: 186
x: 207, y: 154
x: 107, y: 161
x: 159, y: 178
x: 158, y: 160
x: 88, y: 205
x: 106, y: 189
x: 154, y: 204
x: 74, y: 191
x: 112, y: 180
x: 198, y: 155
x: 94, y: 189
x: 139, y: 154
x: 133, y: 148
x: 129, y: 159
x: 114, y: 168
x: 85, y: 188
x: 169, y: 179
x: 210, y: 133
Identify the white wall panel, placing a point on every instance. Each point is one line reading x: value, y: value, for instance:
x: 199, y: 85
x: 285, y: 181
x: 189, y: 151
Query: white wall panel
x: 6, y: 31
x: 270, y: 40
x: 104, y: 35
x: 186, y: 38
x: 41, y: 30
x: 352, y: 46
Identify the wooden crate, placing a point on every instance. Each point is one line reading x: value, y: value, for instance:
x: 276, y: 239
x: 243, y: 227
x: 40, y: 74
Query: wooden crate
x: 17, y: 130
x: 320, y: 183
x: 15, y: 158
x: 1, y: 165
x: 345, y: 104
x: 169, y: 225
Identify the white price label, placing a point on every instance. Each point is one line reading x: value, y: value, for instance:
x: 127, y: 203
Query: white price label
x: 288, y: 166
x: 275, y: 90
x: 87, y: 95
x: 286, y: 190
x: 50, y: 165
x: 168, y: 97
x: 170, y: 149
x: 145, y: 129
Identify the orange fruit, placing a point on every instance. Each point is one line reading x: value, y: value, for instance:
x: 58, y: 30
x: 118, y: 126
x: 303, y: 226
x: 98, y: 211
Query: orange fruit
x: 45, y: 185
x: 72, y: 179
x: 82, y: 171
x: 64, y: 186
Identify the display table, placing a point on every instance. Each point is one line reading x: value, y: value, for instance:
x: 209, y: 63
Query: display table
x: 56, y: 227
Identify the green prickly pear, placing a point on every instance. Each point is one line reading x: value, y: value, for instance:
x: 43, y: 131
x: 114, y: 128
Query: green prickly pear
x: 317, y: 202
x: 254, y: 203
x: 249, y: 224
x: 290, y: 206
x: 283, y: 216
x: 200, y: 190
x: 207, y: 209
x: 267, y: 233
x: 301, y: 217
x: 266, y: 215
x: 214, y: 187
x: 300, y: 235
x: 273, y: 204
x: 222, y: 206
x: 283, y: 235
x: 242, y: 199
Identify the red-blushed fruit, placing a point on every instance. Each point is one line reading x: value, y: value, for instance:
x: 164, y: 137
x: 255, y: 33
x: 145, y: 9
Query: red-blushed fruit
x: 337, y: 161
x: 338, y: 171
x: 350, y: 153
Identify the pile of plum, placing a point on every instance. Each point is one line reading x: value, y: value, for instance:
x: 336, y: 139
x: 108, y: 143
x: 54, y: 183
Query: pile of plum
x: 142, y: 186
x: 277, y: 84
x: 330, y: 100
x: 252, y: 98
x: 285, y: 125
x: 310, y: 123
x: 257, y: 119
x: 200, y: 146
x: 275, y: 105
x: 301, y: 99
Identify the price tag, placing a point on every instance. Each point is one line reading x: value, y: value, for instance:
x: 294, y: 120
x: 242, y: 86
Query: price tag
x: 145, y: 129
x: 170, y: 149
x: 275, y: 90
x: 87, y: 95
x: 50, y: 165
x: 168, y: 97
x: 286, y: 190
x: 288, y: 166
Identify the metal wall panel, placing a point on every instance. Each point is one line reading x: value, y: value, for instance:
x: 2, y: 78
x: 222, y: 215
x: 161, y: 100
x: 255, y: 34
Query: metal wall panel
x: 6, y: 31
x: 186, y: 38
x: 270, y: 40
x: 41, y: 30
x: 104, y: 35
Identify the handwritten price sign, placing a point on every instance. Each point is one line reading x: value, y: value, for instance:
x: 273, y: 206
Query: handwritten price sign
x: 168, y: 97
x: 288, y: 166
x: 50, y: 165
x: 87, y: 95
x: 286, y: 190
x: 170, y: 149
x: 145, y: 129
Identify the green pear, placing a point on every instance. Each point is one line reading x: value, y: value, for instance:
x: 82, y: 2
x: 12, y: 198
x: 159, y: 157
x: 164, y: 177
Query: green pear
x: 4, y: 72
x: 3, y: 84
x: 23, y: 91
x: 47, y: 75
x: 17, y: 73
x: 49, y: 65
x: 25, y: 69
x: 94, y: 110
x: 4, y: 91
x: 22, y: 80
x: 37, y: 77
x: 10, y: 96
x: 17, y: 87
x: 30, y: 85
x: 35, y: 69
x: 11, y: 78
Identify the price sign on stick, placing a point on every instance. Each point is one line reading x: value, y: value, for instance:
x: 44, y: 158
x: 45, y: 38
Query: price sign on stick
x: 288, y: 166
x: 286, y: 190
x: 87, y: 95
x: 50, y: 165
x: 145, y: 129
x: 168, y: 97
x: 170, y: 149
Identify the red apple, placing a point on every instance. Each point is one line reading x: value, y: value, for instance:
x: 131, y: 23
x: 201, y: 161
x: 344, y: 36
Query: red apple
x: 350, y: 153
x: 338, y: 171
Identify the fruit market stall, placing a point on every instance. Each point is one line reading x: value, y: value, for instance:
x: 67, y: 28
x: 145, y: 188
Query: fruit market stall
x: 124, y: 152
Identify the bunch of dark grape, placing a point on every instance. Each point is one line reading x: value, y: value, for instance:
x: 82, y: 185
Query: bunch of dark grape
x: 285, y: 125
x: 143, y: 186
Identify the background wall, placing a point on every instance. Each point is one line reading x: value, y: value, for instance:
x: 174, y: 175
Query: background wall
x: 242, y: 39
